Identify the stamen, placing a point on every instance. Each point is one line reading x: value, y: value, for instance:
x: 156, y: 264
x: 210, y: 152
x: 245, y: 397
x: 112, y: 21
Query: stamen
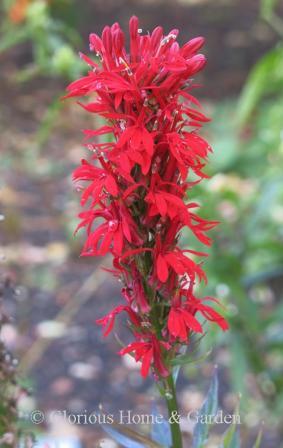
x: 128, y: 70
x: 167, y: 39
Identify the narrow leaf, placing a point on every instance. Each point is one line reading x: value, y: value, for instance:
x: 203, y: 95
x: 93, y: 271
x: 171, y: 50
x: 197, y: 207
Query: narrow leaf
x: 176, y: 370
x: 129, y: 438
x: 267, y: 7
x: 264, y: 78
x: 160, y: 432
x: 258, y: 440
x: 187, y: 359
x: 231, y: 438
x: 209, y: 407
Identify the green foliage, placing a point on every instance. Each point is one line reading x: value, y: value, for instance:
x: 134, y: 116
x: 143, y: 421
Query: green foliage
x: 245, y: 267
x: 266, y: 78
x: 246, y: 257
x: 52, y: 42
x: 268, y: 13
x: 231, y: 438
x: 46, y: 28
x: 8, y: 384
x: 267, y: 7
x: 209, y: 407
x: 160, y: 432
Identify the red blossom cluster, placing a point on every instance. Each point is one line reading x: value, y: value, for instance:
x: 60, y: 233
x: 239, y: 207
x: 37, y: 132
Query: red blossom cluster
x: 137, y: 182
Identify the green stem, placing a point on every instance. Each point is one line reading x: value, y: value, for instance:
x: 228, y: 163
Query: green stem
x: 173, y: 413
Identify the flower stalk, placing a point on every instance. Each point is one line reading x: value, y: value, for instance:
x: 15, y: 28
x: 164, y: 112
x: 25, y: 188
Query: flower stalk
x: 173, y: 413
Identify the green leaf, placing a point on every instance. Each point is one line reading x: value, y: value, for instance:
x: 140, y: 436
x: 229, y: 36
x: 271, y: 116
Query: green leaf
x: 231, y: 438
x: 177, y: 368
x: 258, y: 440
x: 266, y: 77
x: 187, y: 359
x: 270, y: 191
x: 267, y: 7
x: 239, y: 361
x: 13, y: 37
x: 209, y: 407
x: 129, y: 438
x: 160, y: 432
x: 48, y: 121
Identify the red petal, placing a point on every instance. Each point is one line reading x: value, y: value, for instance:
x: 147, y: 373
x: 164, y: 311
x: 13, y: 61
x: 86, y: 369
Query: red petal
x: 161, y: 204
x: 130, y: 253
x: 147, y: 141
x: 162, y: 269
x: 212, y: 315
x: 118, y: 241
x: 191, y: 322
x: 173, y: 323
x: 106, y: 242
x: 111, y: 185
x: 126, y: 229
x: 146, y: 361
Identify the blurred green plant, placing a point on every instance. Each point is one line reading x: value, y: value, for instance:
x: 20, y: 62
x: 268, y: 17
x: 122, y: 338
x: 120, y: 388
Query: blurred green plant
x: 268, y: 13
x: 245, y: 193
x: 266, y: 77
x: 52, y: 39
x: 246, y: 257
x: 11, y: 432
x: 160, y: 432
x: 8, y: 411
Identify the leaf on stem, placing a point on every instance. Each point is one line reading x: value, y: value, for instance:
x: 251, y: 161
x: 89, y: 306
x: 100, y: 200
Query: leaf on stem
x: 160, y: 432
x: 209, y: 407
x: 129, y: 438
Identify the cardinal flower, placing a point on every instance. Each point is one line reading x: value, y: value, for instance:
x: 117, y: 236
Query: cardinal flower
x: 108, y: 321
x: 119, y: 229
x: 148, y: 352
x: 163, y: 201
x: 167, y: 260
x: 142, y: 163
x: 101, y: 184
x: 134, y: 146
x: 181, y: 321
x: 207, y: 311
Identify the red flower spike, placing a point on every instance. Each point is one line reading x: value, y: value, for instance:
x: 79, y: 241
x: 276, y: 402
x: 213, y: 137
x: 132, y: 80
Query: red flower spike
x: 134, y: 186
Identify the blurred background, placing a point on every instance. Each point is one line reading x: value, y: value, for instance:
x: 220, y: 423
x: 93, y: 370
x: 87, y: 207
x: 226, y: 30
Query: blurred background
x: 53, y: 297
